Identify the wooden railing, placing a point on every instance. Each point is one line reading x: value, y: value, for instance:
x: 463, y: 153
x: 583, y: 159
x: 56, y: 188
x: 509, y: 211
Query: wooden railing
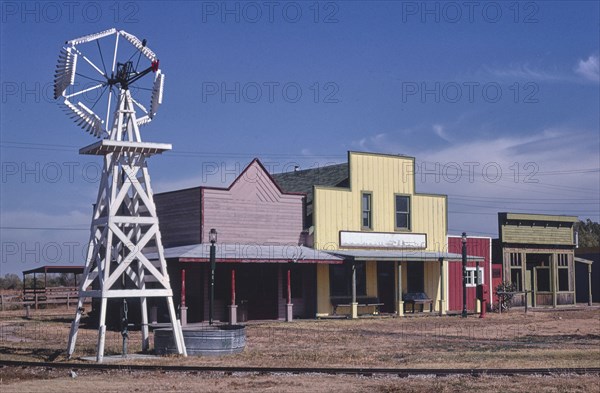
x: 34, y: 297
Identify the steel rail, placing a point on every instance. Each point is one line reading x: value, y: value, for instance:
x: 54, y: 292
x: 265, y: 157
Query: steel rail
x: 365, y: 371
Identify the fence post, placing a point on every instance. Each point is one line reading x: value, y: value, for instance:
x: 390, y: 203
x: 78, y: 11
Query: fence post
x: 68, y: 302
x: 36, y: 300
x: 1, y: 302
x: 27, y: 308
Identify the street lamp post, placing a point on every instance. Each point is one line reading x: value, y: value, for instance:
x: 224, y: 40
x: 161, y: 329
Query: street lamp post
x: 464, y: 272
x: 212, y: 237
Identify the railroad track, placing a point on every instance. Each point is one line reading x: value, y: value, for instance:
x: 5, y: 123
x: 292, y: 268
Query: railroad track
x: 364, y: 371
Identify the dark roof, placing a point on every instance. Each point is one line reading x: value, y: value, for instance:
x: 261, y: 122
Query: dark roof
x: 55, y: 269
x: 304, y: 180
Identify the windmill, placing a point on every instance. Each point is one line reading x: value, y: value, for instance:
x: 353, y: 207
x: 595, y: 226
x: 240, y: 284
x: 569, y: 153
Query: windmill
x: 107, y: 103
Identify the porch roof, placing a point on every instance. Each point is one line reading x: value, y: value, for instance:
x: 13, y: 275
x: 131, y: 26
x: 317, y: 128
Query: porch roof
x: 402, y: 255
x: 250, y: 253
x: 583, y: 260
x: 55, y: 269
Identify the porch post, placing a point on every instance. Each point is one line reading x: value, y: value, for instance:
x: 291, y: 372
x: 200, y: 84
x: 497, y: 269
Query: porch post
x: 399, y: 301
x: 289, y: 315
x: 354, y: 305
x: 35, y: 293
x: 183, y: 308
x: 589, y: 284
x: 232, y: 307
x: 442, y: 288
x: 553, y: 277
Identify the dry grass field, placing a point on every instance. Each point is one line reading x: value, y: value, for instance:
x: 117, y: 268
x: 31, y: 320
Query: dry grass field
x: 554, y: 338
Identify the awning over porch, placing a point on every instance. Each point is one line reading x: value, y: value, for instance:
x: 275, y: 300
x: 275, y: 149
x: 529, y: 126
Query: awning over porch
x: 584, y: 261
x: 250, y: 253
x: 402, y: 255
x: 55, y: 269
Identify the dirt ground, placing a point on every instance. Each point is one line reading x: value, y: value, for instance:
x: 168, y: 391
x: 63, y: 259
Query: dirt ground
x: 553, y: 338
x: 60, y: 380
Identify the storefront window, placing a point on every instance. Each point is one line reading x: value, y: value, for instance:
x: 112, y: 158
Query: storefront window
x: 415, y: 277
x: 563, y: 272
x: 563, y: 280
x: 471, y: 276
x: 515, y: 278
x: 543, y: 279
x: 340, y: 279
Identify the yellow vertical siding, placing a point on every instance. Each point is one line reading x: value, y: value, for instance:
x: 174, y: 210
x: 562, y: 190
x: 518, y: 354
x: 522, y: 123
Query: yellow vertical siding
x: 339, y: 209
x: 323, y: 304
x: 371, y: 273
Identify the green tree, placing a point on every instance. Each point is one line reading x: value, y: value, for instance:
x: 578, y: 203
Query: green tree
x: 11, y: 281
x: 589, y: 233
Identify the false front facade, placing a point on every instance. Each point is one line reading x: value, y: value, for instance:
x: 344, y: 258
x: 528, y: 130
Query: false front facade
x: 392, y: 239
x: 263, y: 270
x: 537, y: 251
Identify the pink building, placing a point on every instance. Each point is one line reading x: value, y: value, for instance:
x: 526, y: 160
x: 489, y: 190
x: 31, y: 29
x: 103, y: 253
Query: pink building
x: 263, y: 265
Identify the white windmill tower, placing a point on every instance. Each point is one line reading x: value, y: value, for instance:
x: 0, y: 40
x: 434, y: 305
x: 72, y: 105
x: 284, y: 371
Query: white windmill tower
x: 124, y: 226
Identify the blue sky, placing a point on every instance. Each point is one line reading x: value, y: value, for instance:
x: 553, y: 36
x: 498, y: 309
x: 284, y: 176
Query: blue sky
x: 498, y: 101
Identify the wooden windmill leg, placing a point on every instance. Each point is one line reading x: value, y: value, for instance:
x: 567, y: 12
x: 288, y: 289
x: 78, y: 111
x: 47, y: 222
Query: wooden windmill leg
x: 177, y: 334
x: 144, y: 308
x: 74, y: 329
x: 145, y: 340
x: 101, y: 331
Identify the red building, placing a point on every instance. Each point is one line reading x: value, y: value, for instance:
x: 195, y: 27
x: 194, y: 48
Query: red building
x: 476, y: 246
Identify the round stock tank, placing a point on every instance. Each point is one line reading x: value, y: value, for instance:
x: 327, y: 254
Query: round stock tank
x: 203, y: 340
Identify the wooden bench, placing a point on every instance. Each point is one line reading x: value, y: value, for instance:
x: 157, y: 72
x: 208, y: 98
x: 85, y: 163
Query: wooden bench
x: 417, y: 298
x: 346, y: 301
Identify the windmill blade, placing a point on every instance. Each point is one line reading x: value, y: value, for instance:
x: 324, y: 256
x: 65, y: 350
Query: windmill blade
x: 142, y: 107
x: 64, y: 76
x: 157, y: 93
x: 139, y: 45
x: 142, y: 121
x: 85, y: 118
x: 92, y: 37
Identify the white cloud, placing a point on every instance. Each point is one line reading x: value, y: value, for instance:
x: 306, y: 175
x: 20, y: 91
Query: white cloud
x: 554, y: 171
x: 589, y: 68
x: 440, y: 131
x: 527, y: 72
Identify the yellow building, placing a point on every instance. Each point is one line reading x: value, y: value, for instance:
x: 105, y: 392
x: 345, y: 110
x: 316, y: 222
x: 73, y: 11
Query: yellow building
x: 368, y: 212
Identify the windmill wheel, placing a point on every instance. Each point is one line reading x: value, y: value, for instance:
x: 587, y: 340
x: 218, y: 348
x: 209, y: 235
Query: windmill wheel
x: 93, y: 69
